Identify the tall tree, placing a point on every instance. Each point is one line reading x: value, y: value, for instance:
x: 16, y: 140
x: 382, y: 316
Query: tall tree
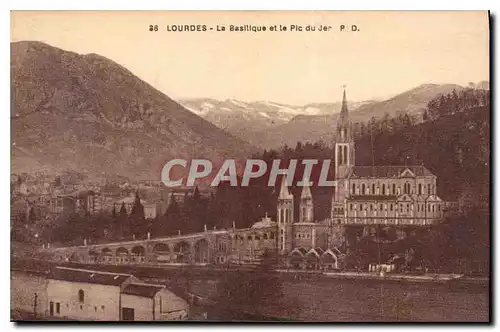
x: 137, y: 217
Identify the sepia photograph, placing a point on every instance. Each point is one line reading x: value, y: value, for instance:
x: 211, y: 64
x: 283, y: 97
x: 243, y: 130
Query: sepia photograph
x: 250, y: 166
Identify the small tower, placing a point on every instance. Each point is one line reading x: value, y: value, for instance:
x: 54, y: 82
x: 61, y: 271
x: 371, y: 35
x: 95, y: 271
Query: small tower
x: 285, y: 217
x: 306, y: 211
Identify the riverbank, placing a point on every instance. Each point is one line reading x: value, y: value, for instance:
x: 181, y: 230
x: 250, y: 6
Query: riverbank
x: 211, y: 271
x: 429, y: 277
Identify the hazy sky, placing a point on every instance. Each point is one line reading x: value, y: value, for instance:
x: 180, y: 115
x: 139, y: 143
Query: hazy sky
x: 392, y: 52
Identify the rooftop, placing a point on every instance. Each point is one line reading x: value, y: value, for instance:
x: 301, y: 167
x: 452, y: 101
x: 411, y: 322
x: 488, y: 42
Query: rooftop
x: 388, y: 171
x: 88, y: 276
x: 144, y: 290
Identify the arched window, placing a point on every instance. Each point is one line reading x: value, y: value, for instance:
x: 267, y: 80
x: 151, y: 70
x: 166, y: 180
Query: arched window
x: 373, y: 188
x: 81, y: 296
x: 420, y: 189
x: 353, y: 188
x: 394, y: 189
x: 383, y: 189
x: 363, y: 188
x: 407, y: 188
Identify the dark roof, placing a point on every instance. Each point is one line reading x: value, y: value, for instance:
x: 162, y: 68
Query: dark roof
x: 319, y: 250
x: 143, y: 290
x: 303, y: 251
x: 387, y: 171
x: 372, y: 198
x: 88, y: 276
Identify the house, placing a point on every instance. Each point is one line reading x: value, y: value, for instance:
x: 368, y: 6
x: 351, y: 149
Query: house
x: 104, y: 296
x: 146, y: 302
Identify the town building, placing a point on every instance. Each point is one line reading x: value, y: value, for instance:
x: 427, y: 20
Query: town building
x: 104, y: 296
x: 152, y: 208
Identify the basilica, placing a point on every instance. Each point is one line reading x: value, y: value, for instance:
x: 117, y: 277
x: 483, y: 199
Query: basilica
x: 363, y: 196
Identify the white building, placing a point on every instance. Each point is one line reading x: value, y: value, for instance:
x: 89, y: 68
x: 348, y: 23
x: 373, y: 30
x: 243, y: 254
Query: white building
x: 104, y: 296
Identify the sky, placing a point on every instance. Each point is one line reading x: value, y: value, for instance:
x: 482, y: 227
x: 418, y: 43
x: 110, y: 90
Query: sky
x: 391, y: 53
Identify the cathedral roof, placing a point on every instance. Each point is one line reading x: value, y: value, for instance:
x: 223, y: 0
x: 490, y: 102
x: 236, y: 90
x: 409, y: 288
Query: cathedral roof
x: 388, y: 171
x: 373, y: 198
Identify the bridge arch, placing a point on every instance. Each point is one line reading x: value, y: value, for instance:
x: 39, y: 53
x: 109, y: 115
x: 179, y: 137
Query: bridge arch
x: 182, y: 252
x: 329, y: 259
x: 106, y: 255
x: 201, y: 251
x: 162, y: 253
x: 138, y: 254
x: 122, y: 255
x: 93, y: 256
x: 74, y: 257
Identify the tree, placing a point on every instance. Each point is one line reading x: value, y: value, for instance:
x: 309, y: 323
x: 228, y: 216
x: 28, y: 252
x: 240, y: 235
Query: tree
x: 122, y: 225
x: 137, y: 217
x: 174, y: 219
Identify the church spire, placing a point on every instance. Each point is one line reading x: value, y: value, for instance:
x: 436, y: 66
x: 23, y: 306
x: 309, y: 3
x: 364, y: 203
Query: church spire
x: 344, y: 104
x: 343, y: 122
x: 284, y: 192
x: 306, y: 205
x: 306, y: 192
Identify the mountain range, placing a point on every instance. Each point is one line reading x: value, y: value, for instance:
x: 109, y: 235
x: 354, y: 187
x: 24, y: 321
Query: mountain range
x: 86, y: 113
x: 89, y: 114
x: 272, y: 125
x: 249, y: 120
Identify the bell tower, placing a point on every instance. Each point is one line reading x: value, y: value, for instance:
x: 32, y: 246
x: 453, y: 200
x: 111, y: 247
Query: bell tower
x: 344, y: 161
x: 285, y: 218
x: 344, y: 145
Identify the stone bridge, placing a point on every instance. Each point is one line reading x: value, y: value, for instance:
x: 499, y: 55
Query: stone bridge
x: 209, y: 247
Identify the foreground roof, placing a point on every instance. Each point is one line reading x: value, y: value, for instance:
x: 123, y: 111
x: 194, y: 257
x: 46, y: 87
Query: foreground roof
x: 88, y: 276
x: 144, y: 290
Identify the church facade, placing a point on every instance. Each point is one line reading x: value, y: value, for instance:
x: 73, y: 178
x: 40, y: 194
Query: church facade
x: 364, y: 196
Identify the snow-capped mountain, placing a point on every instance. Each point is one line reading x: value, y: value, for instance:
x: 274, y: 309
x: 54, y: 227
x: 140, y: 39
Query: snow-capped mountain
x: 247, y: 119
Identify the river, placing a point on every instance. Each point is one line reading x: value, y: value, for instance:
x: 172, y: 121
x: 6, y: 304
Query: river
x: 329, y: 300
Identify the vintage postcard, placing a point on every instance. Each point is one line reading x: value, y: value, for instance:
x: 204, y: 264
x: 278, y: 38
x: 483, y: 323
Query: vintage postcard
x: 313, y: 166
